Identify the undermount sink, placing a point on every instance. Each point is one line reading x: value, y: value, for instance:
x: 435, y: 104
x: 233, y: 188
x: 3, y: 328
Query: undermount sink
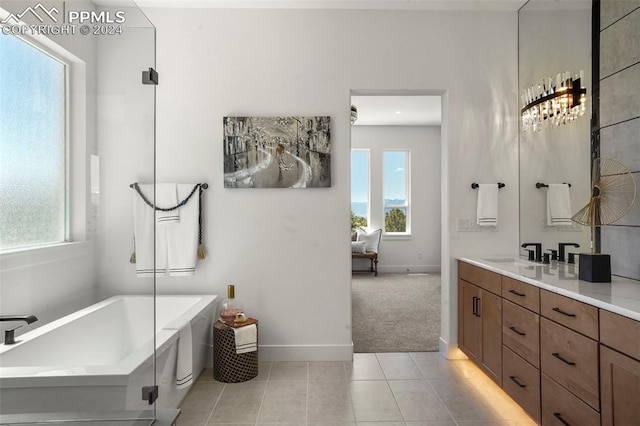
x: 510, y: 261
x: 502, y: 259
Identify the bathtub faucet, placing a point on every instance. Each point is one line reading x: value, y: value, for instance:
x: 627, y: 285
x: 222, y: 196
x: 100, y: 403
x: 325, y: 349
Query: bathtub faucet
x: 9, y: 337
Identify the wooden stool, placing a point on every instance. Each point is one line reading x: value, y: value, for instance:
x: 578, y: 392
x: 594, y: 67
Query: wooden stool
x: 229, y: 366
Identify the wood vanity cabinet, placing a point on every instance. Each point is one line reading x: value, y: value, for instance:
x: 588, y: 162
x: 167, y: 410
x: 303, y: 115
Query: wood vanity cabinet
x: 480, y: 318
x: 563, y: 361
x: 619, y: 370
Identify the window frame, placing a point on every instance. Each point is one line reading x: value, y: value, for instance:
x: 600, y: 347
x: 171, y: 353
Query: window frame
x: 407, y: 187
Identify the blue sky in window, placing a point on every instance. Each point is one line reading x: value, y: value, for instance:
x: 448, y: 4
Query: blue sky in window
x: 395, y: 164
x: 359, y: 176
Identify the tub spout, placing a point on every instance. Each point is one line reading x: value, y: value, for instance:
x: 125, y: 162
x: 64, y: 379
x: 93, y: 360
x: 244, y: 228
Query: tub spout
x: 9, y: 334
x: 29, y: 319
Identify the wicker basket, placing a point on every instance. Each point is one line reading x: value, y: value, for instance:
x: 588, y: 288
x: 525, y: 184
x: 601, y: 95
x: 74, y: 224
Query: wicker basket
x: 228, y: 366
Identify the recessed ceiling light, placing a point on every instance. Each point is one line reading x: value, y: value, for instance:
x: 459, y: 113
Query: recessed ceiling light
x: 398, y: 112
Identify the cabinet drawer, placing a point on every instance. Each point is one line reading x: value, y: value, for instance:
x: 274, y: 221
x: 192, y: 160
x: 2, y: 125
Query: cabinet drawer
x: 561, y: 408
x: 521, y: 381
x: 483, y: 278
x: 523, y: 294
x: 571, y: 359
x: 620, y: 333
x: 521, y: 331
x: 576, y: 315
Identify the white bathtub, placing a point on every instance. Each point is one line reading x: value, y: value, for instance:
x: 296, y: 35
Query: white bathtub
x: 100, y: 357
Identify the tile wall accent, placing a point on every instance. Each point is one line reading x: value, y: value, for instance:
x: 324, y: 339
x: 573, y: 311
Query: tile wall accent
x: 620, y: 121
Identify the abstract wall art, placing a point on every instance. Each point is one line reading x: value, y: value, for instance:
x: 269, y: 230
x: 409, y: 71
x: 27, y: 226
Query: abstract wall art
x: 277, y: 152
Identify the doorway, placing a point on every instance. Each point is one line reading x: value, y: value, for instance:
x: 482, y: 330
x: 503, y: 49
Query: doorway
x: 395, y: 173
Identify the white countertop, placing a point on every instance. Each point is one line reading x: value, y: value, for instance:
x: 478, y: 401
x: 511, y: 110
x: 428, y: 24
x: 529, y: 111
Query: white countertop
x: 621, y: 296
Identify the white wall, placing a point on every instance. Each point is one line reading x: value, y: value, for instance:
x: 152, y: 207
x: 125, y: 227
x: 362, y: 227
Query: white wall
x: 285, y: 249
x: 421, y: 251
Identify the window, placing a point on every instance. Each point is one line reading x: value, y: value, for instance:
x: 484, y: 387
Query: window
x: 33, y: 141
x: 396, y: 192
x: 359, y: 188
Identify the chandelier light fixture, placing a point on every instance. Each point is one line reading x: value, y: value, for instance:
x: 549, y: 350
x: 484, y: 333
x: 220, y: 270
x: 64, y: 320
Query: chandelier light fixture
x: 551, y: 104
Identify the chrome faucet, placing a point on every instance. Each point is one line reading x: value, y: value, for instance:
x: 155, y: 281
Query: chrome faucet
x: 538, y: 247
x: 561, y: 247
x: 9, y: 336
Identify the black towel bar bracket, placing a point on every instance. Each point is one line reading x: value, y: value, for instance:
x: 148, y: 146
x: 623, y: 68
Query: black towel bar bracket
x: 544, y: 185
x: 476, y: 186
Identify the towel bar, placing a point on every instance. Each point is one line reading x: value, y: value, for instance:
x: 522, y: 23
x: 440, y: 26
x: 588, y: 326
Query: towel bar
x: 544, y: 185
x: 476, y: 186
x: 202, y: 185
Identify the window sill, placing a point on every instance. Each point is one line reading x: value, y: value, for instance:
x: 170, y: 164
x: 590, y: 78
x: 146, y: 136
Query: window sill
x: 29, y: 256
x: 396, y: 237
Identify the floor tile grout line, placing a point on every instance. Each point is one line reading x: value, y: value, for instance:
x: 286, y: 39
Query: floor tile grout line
x: 442, y: 402
x: 349, y: 381
x: 306, y: 402
x: 224, y: 387
x: 396, y: 401
x: 264, y: 394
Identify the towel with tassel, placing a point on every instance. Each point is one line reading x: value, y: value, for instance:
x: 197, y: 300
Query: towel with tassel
x: 487, y: 209
x: 558, y: 205
x: 246, y: 338
x: 178, y: 240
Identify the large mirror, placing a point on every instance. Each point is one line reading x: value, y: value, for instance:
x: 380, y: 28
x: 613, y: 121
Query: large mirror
x: 554, y: 38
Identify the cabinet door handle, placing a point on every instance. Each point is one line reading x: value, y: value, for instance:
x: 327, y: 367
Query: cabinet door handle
x: 560, y: 311
x: 516, y: 293
x: 473, y: 307
x: 517, y: 382
x: 478, y: 307
x: 518, y: 332
x: 557, y: 355
x: 559, y: 417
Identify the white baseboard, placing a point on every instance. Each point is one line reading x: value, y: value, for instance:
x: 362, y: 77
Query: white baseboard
x: 399, y: 269
x: 306, y: 353
x: 450, y: 350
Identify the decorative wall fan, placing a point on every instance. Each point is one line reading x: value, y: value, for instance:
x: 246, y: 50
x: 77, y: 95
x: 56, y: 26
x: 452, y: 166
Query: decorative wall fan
x: 613, y: 192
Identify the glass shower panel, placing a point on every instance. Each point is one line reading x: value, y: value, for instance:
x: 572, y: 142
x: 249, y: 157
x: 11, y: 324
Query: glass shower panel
x: 77, y: 317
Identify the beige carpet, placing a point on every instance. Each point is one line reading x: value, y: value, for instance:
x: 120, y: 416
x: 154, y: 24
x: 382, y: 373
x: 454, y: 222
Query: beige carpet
x: 395, y: 312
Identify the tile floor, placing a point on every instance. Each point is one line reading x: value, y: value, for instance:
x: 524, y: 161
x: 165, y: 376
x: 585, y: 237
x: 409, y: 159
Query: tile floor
x: 386, y: 389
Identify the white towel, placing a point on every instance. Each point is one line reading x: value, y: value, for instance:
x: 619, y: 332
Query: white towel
x: 182, y: 237
x: 246, y: 338
x: 144, y: 226
x: 166, y: 197
x: 176, y: 245
x: 487, y: 204
x: 558, y: 205
x: 184, y: 358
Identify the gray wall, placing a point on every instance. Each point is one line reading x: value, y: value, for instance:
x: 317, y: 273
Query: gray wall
x: 620, y: 121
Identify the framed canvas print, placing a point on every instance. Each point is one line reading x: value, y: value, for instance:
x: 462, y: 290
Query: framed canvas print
x: 277, y: 152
